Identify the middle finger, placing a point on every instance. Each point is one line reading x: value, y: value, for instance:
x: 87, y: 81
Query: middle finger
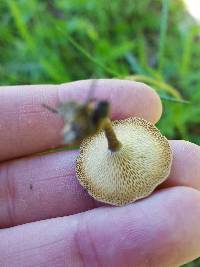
x: 43, y: 187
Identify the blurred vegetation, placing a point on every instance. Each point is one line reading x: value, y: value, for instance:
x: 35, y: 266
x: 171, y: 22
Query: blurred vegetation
x: 152, y: 41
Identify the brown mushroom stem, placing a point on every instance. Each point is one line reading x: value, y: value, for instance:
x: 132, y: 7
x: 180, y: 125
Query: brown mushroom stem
x: 113, y: 143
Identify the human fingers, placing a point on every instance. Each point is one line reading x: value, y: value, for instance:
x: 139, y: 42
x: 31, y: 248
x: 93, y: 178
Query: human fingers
x: 40, y: 187
x: 153, y: 232
x: 44, y: 187
x: 27, y: 127
x: 185, y: 166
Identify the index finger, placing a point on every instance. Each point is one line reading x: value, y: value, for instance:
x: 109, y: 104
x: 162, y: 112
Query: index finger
x: 26, y: 127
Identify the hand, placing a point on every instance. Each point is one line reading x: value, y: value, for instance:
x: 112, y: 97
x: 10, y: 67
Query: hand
x: 38, y: 192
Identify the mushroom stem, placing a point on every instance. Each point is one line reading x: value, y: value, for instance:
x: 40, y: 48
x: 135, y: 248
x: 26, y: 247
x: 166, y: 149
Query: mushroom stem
x: 113, y: 143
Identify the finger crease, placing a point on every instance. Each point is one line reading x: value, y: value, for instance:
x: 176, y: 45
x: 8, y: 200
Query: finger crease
x: 10, y: 195
x: 85, y: 245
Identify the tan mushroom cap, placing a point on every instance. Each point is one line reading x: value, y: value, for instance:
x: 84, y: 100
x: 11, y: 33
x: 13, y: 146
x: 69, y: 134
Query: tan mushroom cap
x: 133, y: 172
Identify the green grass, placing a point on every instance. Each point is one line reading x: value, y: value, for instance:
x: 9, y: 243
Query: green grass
x: 151, y: 41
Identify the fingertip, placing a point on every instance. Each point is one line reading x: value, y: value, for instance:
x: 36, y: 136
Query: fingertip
x: 143, y: 101
x: 185, y: 169
x: 153, y: 100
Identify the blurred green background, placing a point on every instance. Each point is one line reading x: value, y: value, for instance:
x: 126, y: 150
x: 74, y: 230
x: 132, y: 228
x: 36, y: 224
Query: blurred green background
x: 154, y: 41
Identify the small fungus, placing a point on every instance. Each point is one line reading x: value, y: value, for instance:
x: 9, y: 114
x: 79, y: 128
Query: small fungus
x: 123, y: 162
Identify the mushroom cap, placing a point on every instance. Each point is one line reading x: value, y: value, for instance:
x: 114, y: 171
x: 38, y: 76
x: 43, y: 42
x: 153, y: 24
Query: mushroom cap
x: 131, y: 173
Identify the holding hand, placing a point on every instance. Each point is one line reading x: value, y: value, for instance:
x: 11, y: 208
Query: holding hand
x: 39, y: 192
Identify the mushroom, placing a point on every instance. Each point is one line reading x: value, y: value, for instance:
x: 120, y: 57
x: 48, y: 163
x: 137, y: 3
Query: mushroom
x: 123, y: 162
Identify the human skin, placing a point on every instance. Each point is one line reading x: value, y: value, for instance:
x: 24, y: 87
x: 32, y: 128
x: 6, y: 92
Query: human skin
x: 48, y: 219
